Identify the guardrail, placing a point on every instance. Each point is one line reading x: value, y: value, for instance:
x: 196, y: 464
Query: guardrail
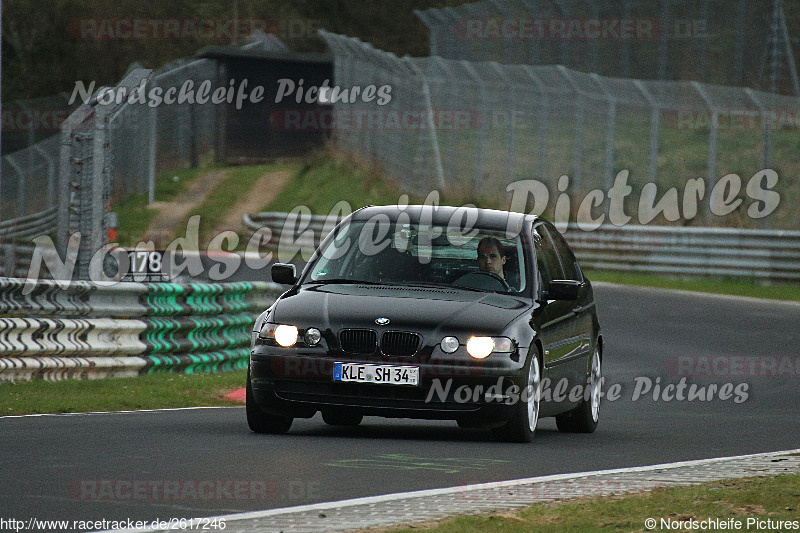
x: 768, y: 255
x: 126, y: 329
x: 29, y: 226
x: 15, y: 259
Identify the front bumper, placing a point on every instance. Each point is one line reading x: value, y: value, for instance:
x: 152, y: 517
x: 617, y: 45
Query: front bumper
x: 299, y: 385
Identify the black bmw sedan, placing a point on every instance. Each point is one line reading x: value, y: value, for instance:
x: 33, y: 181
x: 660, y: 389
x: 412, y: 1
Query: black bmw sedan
x: 473, y: 315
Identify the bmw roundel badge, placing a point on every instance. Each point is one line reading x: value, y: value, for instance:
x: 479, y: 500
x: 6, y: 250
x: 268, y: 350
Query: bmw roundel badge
x: 382, y: 321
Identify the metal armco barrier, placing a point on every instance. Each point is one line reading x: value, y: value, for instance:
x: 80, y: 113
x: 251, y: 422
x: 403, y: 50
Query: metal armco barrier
x: 15, y: 259
x: 301, y: 232
x: 126, y: 329
x: 767, y: 255
x: 58, y: 368
x: 78, y: 337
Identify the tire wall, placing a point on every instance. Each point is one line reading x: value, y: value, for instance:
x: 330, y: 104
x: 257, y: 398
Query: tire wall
x: 88, y: 331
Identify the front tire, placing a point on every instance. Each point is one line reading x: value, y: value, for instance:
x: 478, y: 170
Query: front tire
x: 258, y: 420
x: 584, y: 418
x: 522, y: 425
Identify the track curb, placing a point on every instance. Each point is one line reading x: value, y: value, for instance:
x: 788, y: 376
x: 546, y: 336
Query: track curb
x: 404, y: 508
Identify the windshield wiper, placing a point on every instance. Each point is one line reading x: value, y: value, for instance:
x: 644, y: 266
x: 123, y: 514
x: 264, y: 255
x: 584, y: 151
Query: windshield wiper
x: 344, y: 281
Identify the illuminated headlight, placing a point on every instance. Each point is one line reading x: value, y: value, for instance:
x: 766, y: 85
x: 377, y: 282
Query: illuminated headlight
x: 481, y: 347
x: 449, y: 344
x: 284, y: 334
x: 312, y: 336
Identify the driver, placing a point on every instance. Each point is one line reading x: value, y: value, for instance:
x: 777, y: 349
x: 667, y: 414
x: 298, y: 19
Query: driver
x: 490, y: 257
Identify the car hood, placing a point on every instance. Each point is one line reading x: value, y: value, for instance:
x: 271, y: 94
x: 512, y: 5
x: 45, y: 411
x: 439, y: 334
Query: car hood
x: 408, y: 308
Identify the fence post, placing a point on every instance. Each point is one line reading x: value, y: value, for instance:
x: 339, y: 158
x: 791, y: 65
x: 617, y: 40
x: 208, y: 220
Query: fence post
x: 444, y: 67
x: 481, y: 148
x: 511, y: 125
x: 51, y: 174
x: 577, y: 154
x: 426, y: 94
x: 654, y: 126
x: 611, y: 121
x: 93, y: 229
x: 711, y: 169
x: 766, y: 156
x: 544, y: 109
x: 64, y: 189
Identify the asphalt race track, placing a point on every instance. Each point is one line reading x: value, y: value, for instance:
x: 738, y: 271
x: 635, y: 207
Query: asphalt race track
x: 205, y: 462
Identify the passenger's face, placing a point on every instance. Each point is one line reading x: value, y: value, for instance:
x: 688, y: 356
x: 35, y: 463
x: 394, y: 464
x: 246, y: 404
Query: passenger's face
x: 489, y: 259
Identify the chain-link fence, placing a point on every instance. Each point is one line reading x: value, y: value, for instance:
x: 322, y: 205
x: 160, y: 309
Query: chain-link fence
x: 486, y: 125
x: 739, y: 42
x: 109, y: 148
x: 26, y: 122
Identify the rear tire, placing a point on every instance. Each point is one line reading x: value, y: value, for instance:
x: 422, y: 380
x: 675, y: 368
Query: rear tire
x: 258, y: 420
x: 522, y: 425
x: 584, y: 418
x: 341, y: 418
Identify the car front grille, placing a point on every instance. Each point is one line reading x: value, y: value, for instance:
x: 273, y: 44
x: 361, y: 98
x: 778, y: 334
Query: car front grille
x: 358, y: 341
x: 365, y: 342
x: 399, y: 343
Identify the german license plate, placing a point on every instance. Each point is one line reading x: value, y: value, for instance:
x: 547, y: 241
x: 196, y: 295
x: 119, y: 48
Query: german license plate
x: 372, y: 373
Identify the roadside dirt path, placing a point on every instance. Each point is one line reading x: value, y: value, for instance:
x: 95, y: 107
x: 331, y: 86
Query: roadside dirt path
x: 263, y: 192
x: 166, y: 224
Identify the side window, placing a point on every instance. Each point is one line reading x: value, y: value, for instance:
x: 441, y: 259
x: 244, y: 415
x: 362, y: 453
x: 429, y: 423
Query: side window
x: 565, y: 255
x: 546, y: 256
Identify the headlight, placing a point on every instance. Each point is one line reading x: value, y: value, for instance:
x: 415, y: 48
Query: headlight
x: 312, y: 336
x: 449, y: 344
x: 284, y: 334
x: 503, y: 345
x: 481, y: 347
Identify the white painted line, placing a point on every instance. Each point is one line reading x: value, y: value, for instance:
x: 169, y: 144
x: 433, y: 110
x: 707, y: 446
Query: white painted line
x: 125, y: 412
x: 464, y: 488
x: 683, y: 292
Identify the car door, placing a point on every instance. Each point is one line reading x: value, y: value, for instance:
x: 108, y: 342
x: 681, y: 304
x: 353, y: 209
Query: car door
x: 560, y: 327
x: 583, y: 306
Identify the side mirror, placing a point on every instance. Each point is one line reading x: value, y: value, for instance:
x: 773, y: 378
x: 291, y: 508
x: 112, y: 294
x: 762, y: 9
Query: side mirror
x: 563, y: 289
x: 284, y: 273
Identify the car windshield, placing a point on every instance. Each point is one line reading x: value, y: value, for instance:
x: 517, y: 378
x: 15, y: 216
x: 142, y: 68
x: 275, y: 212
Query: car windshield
x: 414, y: 254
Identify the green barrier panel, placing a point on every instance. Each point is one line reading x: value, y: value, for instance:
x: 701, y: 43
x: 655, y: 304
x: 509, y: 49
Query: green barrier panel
x: 234, y: 297
x: 162, y: 299
x: 191, y: 334
x: 218, y: 361
x: 201, y: 299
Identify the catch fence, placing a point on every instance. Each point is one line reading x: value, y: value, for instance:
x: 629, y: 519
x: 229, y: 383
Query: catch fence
x: 111, y: 147
x: 470, y: 129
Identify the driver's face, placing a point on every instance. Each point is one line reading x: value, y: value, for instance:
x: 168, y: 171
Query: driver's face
x: 489, y: 259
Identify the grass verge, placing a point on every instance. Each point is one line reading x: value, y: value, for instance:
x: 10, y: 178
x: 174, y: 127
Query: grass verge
x: 154, y: 391
x: 751, y: 288
x: 238, y: 181
x: 762, y: 499
x: 324, y: 180
x: 135, y: 215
